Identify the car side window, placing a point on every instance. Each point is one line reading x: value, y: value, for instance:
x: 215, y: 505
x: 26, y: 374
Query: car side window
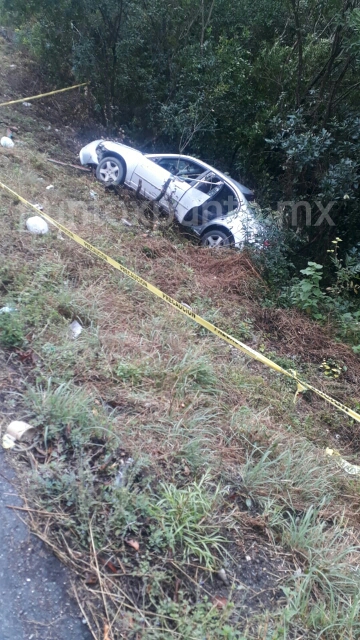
x: 169, y: 164
x: 181, y: 167
x: 189, y: 169
x: 208, y: 183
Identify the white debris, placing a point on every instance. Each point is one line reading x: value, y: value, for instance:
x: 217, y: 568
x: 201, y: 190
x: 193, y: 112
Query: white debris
x: 51, y: 186
x: 75, y: 329
x: 7, y: 142
x: 126, y: 222
x: 38, y: 206
x: 222, y: 575
x: 27, y: 104
x: 93, y: 194
x: 7, y: 309
x: 8, y: 442
x: 17, y: 430
x: 37, y: 225
x: 186, y: 305
x: 119, y: 479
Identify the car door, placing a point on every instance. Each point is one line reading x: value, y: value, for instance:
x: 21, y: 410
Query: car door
x: 149, y: 179
x: 180, y: 196
x: 201, y: 195
x: 174, y: 193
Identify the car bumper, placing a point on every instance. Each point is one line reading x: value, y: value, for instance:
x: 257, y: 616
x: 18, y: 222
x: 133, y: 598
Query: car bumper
x: 88, y: 154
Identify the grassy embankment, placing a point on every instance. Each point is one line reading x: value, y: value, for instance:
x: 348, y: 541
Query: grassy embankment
x: 162, y: 455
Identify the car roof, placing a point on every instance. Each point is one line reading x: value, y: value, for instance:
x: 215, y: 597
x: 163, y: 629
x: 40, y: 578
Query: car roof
x: 245, y: 190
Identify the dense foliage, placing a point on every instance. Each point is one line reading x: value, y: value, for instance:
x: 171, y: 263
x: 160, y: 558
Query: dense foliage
x: 266, y: 90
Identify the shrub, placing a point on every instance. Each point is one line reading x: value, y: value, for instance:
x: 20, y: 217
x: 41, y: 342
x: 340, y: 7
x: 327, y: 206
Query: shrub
x: 11, y: 330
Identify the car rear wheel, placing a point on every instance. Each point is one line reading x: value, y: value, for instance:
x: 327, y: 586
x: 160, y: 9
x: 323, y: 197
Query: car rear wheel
x: 110, y: 171
x: 215, y: 238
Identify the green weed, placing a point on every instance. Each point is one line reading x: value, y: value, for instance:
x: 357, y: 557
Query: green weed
x: 324, y: 593
x: 131, y: 372
x: 288, y: 472
x: 193, y: 372
x: 187, y: 621
x: 64, y: 407
x: 184, y: 517
x: 307, y: 295
x: 11, y: 330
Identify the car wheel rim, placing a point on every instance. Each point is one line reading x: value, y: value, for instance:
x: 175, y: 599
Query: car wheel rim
x: 215, y: 241
x: 109, y: 172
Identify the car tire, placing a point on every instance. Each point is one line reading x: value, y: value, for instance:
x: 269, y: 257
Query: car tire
x: 110, y: 170
x: 215, y: 238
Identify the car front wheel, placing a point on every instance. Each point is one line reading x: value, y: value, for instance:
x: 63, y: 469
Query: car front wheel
x: 215, y: 238
x: 110, y: 171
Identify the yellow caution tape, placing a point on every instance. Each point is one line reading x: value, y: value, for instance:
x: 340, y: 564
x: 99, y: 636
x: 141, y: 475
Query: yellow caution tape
x: 301, y: 385
x: 43, y: 95
x: 352, y: 469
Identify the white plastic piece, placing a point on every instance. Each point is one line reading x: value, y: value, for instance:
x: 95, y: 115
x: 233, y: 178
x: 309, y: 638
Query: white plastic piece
x: 27, y: 104
x: 126, y: 222
x: 8, y: 442
x: 7, y: 309
x: 17, y: 430
x: 186, y: 305
x: 75, y: 329
x: 51, y: 186
x: 222, y: 575
x: 38, y: 206
x: 37, y: 225
x: 7, y: 142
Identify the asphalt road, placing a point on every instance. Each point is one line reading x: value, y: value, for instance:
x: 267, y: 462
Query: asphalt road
x: 34, y: 586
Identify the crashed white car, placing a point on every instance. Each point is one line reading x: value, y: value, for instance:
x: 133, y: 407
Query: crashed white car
x: 211, y: 203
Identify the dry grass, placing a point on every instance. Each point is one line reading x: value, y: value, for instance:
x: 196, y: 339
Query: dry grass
x: 291, y: 332
x: 180, y: 403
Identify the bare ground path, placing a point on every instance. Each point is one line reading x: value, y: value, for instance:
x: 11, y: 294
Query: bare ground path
x: 34, y: 587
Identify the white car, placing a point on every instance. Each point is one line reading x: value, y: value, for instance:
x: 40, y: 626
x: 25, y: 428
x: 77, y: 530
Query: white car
x: 211, y: 203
